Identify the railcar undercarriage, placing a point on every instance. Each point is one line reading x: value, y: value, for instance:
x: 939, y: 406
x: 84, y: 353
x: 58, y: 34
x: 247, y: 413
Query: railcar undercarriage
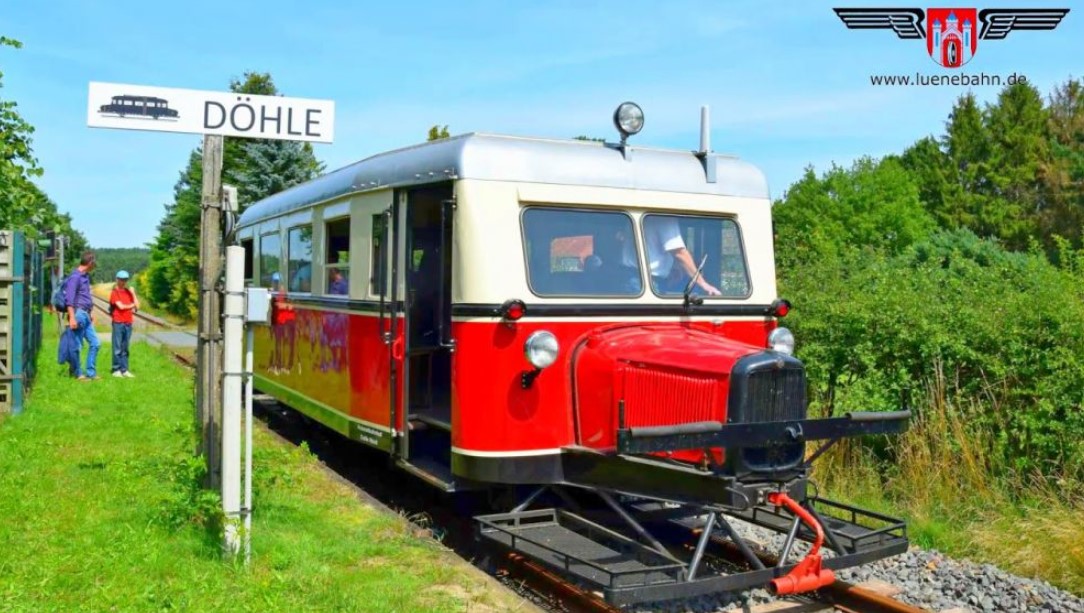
x: 611, y: 538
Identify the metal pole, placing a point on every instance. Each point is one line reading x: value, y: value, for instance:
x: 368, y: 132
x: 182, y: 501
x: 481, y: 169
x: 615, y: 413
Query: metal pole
x: 209, y: 355
x: 247, y: 510
x: 60, y: 279
x: 232, y: 390
x: 705, y: 130
x: 790, y: 541
x: 630, y: 520
x: 701, y: 545
x: 62, y: 240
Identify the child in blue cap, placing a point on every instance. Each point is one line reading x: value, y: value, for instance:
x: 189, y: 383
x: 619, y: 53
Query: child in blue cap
x: 122, y: 305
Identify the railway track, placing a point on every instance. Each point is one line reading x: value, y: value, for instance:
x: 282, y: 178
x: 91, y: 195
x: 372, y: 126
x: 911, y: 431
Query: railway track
x: 148, y: 328
x: 531, y: 579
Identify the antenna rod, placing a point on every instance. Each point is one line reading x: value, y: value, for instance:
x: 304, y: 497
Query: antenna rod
x: 705, y: 130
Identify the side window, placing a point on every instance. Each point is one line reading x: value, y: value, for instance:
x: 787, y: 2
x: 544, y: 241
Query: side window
x: 581, y: 253
x: 299, y: 264
x: 249, y: 263
x: 338, y: 256
x: 377, y: 266
x: 270, y: 263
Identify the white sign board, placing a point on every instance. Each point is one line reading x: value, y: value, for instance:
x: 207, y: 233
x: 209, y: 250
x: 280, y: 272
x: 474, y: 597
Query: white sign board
x: 166, y: 109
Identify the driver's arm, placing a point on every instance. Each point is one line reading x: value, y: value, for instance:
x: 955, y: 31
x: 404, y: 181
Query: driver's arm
x: 685, y: 258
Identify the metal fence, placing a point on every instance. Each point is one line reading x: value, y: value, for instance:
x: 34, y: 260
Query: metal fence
x: 22, y: 298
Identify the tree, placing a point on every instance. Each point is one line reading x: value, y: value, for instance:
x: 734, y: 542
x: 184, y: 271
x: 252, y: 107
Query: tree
x: 967, y: 147
x: 17, y: 161
x: 1019, y: 149
x: 111, y: 260
x: 937, y: 181
x: 874, y: 204
x: 244, y: 159
x: 1064, y: 172
x: 257, y: 167
x: 437, y: 132
x: 23, y: 206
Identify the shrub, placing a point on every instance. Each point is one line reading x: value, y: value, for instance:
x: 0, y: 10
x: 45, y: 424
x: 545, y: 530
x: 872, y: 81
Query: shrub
x: 1007, y: 329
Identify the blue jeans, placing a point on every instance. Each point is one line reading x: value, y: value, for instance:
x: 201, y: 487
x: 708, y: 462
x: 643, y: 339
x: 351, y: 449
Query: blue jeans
x: 122, y: 335
x: 84, y: 330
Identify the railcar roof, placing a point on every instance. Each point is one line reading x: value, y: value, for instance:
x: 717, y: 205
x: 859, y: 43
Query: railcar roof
x: 512, y: 158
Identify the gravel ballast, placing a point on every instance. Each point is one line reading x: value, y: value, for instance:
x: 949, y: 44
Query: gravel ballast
x: 926, y: 578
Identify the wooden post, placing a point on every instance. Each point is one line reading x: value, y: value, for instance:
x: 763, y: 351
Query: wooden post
x: 209, y: 348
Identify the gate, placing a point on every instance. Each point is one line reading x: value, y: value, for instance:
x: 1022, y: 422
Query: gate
x: 21, y: 300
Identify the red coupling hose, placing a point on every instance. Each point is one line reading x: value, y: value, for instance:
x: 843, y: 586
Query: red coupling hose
x: 807, y: 575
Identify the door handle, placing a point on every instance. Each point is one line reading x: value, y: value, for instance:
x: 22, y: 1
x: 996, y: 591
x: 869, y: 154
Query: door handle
x: 397, y: 349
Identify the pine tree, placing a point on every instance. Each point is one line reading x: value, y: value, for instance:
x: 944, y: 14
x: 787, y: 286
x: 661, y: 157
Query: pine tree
x: 1064, y: 174
x: 1019, y: 150
x: 270, y: 166
x: 257, y: 167
x: 966, y: 144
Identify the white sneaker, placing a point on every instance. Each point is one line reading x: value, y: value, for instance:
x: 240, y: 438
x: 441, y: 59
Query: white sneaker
x: 117, y: 373
x: 129, y: 375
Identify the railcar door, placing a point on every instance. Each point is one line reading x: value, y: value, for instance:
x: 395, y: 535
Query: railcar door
x: 391, y: 319
x: 429, y: 346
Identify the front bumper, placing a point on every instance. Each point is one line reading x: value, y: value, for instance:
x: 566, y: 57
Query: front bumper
x: 713, y: 434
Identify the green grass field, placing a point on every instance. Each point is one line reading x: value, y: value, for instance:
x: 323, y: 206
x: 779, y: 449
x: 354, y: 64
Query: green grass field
x: 100, y: 511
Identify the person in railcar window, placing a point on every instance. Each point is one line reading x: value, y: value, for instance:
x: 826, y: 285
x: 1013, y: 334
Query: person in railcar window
x: 301, y: 281
x: 336, y: 282
x: 665, y: 246
x: 579, y: 253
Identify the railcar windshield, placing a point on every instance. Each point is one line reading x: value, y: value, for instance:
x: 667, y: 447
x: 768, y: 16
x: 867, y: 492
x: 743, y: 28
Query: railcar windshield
x: 581, y: 253
x: 677, y: 244
x: 574, y: 252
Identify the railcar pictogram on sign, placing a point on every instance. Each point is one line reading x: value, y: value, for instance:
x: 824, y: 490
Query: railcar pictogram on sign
x: 149, y: 107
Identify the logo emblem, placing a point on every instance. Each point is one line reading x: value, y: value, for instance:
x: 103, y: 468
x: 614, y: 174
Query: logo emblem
x: 952, y: 34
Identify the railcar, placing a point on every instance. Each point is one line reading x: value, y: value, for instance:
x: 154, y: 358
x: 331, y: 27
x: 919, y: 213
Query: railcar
x: 561, y: 318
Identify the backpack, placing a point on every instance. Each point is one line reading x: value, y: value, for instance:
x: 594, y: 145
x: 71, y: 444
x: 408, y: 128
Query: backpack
x: 60, y: 301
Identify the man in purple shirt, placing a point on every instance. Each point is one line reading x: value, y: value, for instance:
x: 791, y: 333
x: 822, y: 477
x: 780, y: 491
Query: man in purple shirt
x: 81, y: 318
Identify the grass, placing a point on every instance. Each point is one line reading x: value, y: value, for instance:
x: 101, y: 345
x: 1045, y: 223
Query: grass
x: 100, y: 511
x: 958, y: 498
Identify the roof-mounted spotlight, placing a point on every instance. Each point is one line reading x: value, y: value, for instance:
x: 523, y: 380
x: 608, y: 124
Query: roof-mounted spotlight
x: 629, y: 119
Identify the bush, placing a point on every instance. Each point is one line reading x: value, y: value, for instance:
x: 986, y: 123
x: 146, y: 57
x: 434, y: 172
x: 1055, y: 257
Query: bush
x: 1006, y: 328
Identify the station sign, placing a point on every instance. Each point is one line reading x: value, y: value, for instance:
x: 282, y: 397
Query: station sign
x: 167, y: 109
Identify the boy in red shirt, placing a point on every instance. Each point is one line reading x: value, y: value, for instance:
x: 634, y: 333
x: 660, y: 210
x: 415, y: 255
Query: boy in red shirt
x: 122, y: 304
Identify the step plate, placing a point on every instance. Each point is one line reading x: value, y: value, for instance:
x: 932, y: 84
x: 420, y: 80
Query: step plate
x: 574, y: 545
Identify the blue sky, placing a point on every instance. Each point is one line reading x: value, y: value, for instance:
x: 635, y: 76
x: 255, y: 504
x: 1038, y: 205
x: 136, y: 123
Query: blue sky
x: 788, y: 85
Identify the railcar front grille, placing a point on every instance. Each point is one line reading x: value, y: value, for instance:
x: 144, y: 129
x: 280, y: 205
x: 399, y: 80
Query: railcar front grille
x: 767, y: 387
x: 655, y: 397
x: 775, y: 395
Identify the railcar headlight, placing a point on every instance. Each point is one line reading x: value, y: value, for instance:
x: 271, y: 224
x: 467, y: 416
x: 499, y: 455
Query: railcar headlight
x: 629, y: 119
x: 541, y: 349
x: 781, y: 340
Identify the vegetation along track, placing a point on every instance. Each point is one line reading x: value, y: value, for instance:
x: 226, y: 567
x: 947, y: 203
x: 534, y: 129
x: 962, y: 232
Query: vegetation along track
x: 379, y: 483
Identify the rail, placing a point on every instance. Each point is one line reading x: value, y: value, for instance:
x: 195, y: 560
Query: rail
x: 102, y: 305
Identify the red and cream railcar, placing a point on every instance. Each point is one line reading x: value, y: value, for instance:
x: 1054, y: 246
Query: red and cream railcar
x: 494, y: 310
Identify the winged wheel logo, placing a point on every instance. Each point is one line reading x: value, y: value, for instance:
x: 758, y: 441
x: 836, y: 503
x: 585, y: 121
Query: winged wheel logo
x: 952, y: 34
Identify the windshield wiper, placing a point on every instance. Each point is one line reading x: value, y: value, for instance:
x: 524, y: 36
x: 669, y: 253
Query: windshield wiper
x: 689, y: 298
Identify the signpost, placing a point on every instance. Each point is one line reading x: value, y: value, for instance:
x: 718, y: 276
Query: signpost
x: 214, y: 115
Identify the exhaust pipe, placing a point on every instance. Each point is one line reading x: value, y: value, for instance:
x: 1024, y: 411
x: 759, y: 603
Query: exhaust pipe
x: 705, y: 130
